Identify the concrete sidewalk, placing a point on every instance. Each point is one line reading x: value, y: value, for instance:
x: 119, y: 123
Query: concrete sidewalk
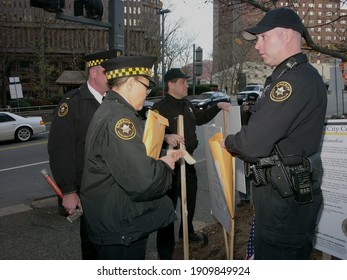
x: 39, y: 232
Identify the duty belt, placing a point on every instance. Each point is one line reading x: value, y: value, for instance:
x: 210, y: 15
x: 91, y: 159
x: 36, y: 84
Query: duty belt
x: 287, y: 180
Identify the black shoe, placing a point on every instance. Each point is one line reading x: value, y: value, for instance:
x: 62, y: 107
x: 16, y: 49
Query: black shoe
x: 194, y: 237
x: 243, y: 203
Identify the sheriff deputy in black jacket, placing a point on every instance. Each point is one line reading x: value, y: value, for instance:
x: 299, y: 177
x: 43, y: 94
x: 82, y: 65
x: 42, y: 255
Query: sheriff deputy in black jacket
x: 171, y: 106
x: 282, y: 141
x: 123, y: 190
x: 68, y: 132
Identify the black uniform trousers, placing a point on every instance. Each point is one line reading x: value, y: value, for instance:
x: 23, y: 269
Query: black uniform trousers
x: 135, y: 251
x: 88, y: 250
x: 284, y: 229
x: 166, y: 235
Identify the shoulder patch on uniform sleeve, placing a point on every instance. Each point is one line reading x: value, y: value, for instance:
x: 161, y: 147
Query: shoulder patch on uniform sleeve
x: 125, y: 129
x: 281, y: 91
x: 63, y: 110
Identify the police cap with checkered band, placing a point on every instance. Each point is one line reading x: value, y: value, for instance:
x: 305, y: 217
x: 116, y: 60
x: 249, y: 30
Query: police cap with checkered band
x: 96, y: 59
x: 129, y: 66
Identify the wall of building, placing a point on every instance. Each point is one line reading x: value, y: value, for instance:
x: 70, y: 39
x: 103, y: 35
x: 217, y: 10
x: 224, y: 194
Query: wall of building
x: 37, y: 47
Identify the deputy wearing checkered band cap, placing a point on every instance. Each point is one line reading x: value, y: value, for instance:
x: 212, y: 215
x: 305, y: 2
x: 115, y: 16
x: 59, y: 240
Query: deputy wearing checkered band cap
x: 129, y: 66
x: 96, y: 59
x: 67, y: 136
x: 123, y: 190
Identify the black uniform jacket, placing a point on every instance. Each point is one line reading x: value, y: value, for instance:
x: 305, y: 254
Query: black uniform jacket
x: 123, y: 189
x: 67, y: 136
x: 170, y: 108
x: 290, y: 113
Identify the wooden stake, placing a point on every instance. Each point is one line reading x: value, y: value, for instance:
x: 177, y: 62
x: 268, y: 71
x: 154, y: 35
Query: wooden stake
x: 229, y: 243
x: 184, y: 212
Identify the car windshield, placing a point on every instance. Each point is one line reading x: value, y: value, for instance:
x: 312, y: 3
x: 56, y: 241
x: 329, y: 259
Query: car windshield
x: 204, y: 96
x: 249, y: 88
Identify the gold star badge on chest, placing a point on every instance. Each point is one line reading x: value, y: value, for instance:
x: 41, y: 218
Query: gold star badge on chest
x: 281, y: 91
x: 125, y: 129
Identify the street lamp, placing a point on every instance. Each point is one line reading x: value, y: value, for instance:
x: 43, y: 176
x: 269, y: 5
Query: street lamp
x: 162, y: 12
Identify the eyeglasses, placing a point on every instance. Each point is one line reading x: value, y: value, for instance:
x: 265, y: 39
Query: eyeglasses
x: 148, y: 88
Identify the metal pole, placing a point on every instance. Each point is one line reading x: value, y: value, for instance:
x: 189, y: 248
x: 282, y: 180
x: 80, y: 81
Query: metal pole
x: 193, y: 70
x: 162, y: 54
x: 116, y: 18
x: 337, y: 105
x: 162, y: 12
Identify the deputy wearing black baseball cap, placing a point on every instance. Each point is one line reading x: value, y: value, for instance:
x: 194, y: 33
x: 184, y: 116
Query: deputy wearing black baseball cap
x: 287, y: 122
x: 173, y: 104
x: 282, y: 17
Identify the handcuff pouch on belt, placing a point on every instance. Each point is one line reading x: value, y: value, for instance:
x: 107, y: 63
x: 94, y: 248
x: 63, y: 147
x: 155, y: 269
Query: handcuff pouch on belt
x: 287, y: 180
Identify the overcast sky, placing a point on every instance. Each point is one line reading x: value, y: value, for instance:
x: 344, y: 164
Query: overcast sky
x: 198, y: 20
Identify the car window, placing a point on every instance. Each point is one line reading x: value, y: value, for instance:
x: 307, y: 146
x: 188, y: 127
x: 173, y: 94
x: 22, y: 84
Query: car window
x: 6, y: 118
x: 253, y: 88
x: 205, y: 96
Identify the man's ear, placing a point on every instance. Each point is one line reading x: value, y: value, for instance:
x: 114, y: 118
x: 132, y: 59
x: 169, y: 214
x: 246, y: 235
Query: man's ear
x: 130, y: 83
x: 289, y: 34
x: 92, y: 72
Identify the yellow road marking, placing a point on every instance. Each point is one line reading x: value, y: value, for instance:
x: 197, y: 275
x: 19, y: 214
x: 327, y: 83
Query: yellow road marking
x: 23, y: 145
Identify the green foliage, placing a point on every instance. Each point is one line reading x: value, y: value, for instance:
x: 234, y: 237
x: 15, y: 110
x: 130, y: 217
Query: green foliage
x: 30, y: 102
x: 20, y: 103
x: 39, y: 102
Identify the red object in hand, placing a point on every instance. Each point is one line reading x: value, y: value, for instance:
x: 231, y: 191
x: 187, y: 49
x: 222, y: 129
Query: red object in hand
x: 52, y: 183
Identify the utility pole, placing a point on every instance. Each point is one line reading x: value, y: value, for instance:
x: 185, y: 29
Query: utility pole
x: 116, y: 18
x: 162, y: 12
x: 197, y: 65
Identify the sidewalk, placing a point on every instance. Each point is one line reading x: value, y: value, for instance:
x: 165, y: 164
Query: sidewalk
x: 39, y: 232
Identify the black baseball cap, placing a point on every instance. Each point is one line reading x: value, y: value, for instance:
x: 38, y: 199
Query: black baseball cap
x: 282, y: 17
x: 175, y: 73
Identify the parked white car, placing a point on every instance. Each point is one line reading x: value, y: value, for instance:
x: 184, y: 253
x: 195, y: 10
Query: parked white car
x: 14, y: 127
x: 249, y: 89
